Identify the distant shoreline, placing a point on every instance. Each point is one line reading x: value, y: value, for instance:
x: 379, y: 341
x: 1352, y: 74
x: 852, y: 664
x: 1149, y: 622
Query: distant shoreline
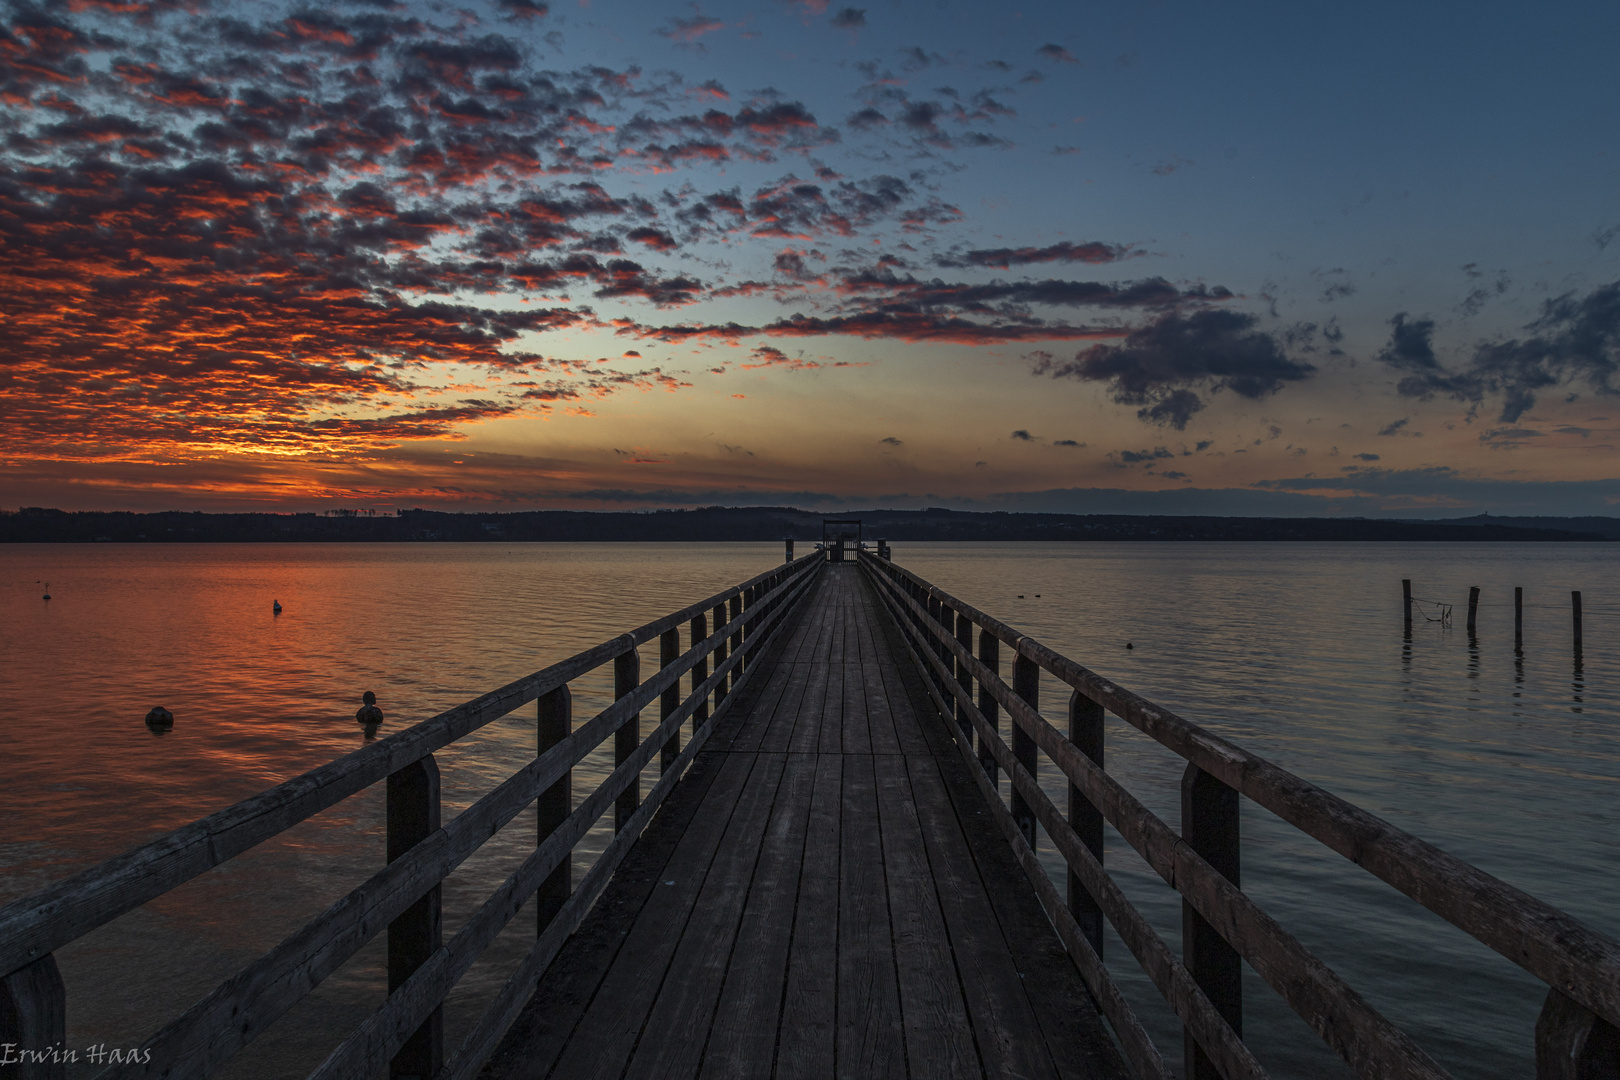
x: 715, y: 524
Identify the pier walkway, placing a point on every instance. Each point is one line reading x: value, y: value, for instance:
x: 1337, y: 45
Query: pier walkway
x: 824, y: 894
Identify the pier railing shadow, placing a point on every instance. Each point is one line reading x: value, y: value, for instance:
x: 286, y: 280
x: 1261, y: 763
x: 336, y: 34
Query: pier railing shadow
x: 405, y: 1035
x: 1576, y: 1035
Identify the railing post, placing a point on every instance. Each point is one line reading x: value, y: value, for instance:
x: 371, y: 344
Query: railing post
x: 936, y: 613
x: 720, y: 653
x: 736, y: 642
x: 1573, y: 1043
x: 1209, y: 825
x: 626, y: 677
x: 33, y: 1016
x: 990, y: 657
x: 700, y: 673
x: 413, y: 816
x: 555, y: 721
x: 669, y: 651
x: 1086, y: 732
x: 1027, y: 685
x: 964, y: 638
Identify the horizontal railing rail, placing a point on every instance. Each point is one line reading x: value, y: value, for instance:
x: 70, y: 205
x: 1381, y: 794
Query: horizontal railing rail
x: 1221, y: 924
x: 403, y: 897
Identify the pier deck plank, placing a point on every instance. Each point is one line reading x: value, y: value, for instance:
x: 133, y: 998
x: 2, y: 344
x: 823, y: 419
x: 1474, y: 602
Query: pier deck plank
x: 824, y: 895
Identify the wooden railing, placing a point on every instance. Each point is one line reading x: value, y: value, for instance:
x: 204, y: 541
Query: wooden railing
x: 1576, y: 1036
x: 405, y: 1034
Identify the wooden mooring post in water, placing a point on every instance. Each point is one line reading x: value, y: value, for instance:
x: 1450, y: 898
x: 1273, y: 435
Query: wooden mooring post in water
x: 825, y: 878
x: 1473, y: 610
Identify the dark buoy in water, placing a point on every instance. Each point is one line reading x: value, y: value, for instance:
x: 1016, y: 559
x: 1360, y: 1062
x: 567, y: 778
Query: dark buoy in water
x: 47, y: 590
x: 275, y: 607
x: 1020, y: 596
x: 1128, y: 645
x: 369, y: 713
x: 159, y: 717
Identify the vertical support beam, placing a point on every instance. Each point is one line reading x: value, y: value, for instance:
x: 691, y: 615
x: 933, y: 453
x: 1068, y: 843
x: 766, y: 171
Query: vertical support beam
x: 413, y: 816
x: 1574, y: 1044
x: 669, y: 651
x: 700, y: 673
x: 1209, y: 825
x: 1027, y: 685
x: 1086, y: 732
x: 964, y: 638
x: 789, y: 542
x: 736, y: 641
x: 1473, y: 608
x: 1406, y: 603
x: 1518, y: 617
x: 720, y: 653
x: 626, y: 677
x: 33, y: 1016
x: 1575, y: 610
x: 555, y: 721
x: 990, y: 657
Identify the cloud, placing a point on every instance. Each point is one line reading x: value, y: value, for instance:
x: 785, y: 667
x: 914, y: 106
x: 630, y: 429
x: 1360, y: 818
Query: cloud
x: 1366, y: 457
x: 890, y: 441
x: 1094, y: 252
x: 850, y: 18
x: 1056, y: 53
x: 1575, y: 340
x: 1023, y: 436
x: 1161, y: 364
x: 687, y: 30
x: 1068, y: 442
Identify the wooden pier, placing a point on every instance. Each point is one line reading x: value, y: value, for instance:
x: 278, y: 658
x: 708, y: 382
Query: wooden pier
x: 823, y: 881
x: 824, y: 895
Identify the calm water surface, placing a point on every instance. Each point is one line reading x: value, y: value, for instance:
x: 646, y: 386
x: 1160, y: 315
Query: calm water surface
x: 1296, y: 651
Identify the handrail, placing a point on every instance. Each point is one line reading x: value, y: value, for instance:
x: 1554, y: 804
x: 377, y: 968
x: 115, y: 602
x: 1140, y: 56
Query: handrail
x: 225, y: 1020
x: 1550, y: 944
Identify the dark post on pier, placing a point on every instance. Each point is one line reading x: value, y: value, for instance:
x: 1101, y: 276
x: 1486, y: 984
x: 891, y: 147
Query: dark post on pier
x: 1575, y: 611
x: 1406, y: 603
x: 825, y: 879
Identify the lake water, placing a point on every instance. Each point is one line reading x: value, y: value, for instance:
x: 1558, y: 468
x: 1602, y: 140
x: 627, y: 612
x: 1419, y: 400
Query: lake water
x: 1295, y: 651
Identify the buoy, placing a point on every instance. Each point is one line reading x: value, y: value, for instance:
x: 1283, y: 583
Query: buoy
x: 1128, y: 645
x: 47, y: 590
x: 275, y: 606
x: 1020, y: 596
x: 368, y: 712
x: 160, y: 717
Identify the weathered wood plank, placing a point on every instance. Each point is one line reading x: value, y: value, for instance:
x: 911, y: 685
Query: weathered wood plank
x: 871, y: 1040
x: 939, y: 1037
x: 806, y: 1046
x: 605, y: 1034
x: 542, y: 1029
x: 742, y: 1038
x: 670, y: 1043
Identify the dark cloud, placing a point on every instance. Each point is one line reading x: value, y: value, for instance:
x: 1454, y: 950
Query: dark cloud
x: 1161, y: 366
x: 1057, y: 53
x: 1575, y: 340
x: 1137, y: 457
x: 890, y: 441
x: 1068, y: 442
x: 1013, y: 298
x: 1093, y: 252
x: 850, y: 18
x: 1366, y: 457
x: 1023, y: 436
x: 1395, y: 427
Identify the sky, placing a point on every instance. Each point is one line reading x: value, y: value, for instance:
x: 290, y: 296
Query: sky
x: 1167, y: 257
